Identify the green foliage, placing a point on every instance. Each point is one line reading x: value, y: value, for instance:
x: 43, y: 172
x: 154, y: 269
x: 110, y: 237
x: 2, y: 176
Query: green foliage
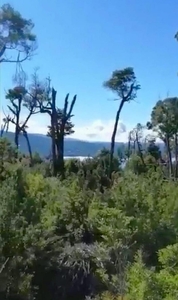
x: 154, y: 150
x: 164, y: 120
x: 123, y: 83
x: 164, y: 117
x: 84, y: 239
x: 16, y: 34
x: 144, y: 283
x: 85, y: 231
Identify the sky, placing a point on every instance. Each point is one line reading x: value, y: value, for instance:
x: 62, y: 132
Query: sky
x: 80, y: 44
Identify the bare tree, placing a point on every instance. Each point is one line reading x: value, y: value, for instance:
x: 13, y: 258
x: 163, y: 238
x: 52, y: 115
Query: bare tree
x: 137, y: 139
x: 4, y: 126
x: 60, y: 122
x: 20, y: 97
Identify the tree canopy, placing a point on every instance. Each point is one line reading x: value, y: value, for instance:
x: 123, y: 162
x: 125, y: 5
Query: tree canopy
x: 123, y: 83
x: 17, y: 41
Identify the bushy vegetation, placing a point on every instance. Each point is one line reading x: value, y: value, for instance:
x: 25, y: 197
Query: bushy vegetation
x: 85, y: 236
x: 87, y: 229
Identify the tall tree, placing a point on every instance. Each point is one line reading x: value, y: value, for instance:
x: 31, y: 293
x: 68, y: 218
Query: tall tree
x: 60, y: 124
x: 164, y: 120
x: 125, y: 85
x: 136, y: 136
x: 60, y: 127
x: 17, y: 42
x: 19, y: 98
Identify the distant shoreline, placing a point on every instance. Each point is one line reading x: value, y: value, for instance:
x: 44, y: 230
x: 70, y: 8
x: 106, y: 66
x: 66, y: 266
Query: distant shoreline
x: 77, y: 157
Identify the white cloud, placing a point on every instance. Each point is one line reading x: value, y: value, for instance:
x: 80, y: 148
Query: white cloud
x: 97, y: 130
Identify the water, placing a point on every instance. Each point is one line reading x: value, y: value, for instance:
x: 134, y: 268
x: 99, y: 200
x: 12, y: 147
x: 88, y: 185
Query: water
x: 81, y: 158
x: 77, y: 157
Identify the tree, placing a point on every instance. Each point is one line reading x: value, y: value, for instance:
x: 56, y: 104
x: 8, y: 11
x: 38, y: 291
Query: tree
x: 136, y: 136
x: 4, y: 126
x: 68, y: 127
x: 60, y: 120
x: 153, y: 149
x: 15, y: 35
x: 20, y: 97
x: 125, y: 85
x: 164, y: 120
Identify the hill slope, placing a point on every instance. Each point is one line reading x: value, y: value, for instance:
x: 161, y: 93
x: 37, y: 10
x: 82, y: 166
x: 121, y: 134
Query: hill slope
x: 42, y: 144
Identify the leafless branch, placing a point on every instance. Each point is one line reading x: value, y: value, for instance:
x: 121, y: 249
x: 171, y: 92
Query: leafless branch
x: 4, y: 265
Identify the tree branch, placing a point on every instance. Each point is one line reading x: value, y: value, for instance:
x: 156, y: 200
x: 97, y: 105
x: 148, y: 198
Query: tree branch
x: 72, y: 106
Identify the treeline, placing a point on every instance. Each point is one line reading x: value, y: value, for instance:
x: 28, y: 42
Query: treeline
x: 91, y: 229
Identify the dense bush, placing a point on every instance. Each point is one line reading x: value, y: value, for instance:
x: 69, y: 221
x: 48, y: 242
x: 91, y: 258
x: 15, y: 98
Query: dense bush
x: 67, y: 240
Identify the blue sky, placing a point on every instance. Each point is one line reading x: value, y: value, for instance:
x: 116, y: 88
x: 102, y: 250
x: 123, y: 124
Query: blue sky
x: 82, y: 42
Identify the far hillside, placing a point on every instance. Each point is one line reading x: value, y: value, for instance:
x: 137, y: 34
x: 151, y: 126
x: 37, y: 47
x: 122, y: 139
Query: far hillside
x: 42, y: 144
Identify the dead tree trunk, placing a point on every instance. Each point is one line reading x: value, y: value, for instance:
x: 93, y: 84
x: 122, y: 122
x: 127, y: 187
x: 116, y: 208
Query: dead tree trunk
x: 169, y: 156
x: 61, y: 132
x: 53, y: 131
x: 60, y: 126
x: 176, y: 155
x: 129, y: 145
x: 16, y: 110
x: 140, y: 150
x: 25, y: 134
